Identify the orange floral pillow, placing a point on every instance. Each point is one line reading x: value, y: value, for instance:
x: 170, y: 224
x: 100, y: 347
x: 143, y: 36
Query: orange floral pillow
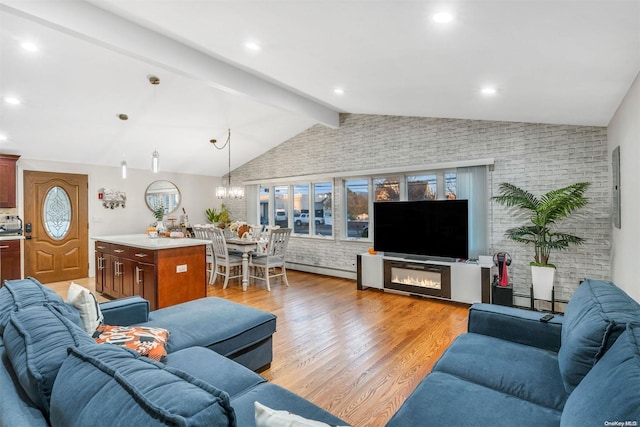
x: 149, y: 342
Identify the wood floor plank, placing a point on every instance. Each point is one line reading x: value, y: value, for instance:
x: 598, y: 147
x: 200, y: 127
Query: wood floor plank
x: 357, y: 354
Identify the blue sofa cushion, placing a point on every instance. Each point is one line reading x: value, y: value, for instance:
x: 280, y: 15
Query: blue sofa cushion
x: 107, y: 385
x: 278, y: 398
x: 36, y: 341
x: 125, y: 311
x: 595, y: 316
x: 16, y: 294
x: 609, y: 393
x: 216, y: 323
x: 214, y: 369
x: 444, y: 399
x: 522, y: 371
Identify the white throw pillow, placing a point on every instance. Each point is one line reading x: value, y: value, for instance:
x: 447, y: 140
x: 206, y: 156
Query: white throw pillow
x: 267, y: 417
x: 87, y: 305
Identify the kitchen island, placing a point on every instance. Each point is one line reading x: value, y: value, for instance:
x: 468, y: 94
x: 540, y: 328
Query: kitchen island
x: 164, y: 271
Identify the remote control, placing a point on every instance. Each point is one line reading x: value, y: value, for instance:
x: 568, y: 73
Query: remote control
x: 546, y: 318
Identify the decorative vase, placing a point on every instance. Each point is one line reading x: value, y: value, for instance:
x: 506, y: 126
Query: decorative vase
x: 160, y: 228
x: 242, y: 230
x: 542, y: 281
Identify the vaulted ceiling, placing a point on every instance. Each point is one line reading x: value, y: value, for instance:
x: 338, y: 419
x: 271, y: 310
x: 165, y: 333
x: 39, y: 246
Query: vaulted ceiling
x: 562, y: 61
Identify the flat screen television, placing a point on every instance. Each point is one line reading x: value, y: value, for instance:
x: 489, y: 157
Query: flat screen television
x: 427, y: 228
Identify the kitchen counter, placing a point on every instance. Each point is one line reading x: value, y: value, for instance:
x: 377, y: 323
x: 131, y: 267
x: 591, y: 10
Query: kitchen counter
x: 11, y: 237
x: 165, y: 271
x: 145, y: 242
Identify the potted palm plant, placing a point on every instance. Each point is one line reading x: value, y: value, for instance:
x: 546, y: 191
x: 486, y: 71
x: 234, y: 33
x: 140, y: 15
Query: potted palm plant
x: 541, y: 231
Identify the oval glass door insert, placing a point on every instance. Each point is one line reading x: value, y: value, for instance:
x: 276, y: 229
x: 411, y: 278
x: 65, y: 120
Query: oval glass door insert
x: 57, y: 213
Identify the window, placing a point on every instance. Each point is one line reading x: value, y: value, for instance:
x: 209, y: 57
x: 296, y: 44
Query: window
x: 281, y: 205
x: 322, y: 208
x: 301, y: 214
x: 386, y: 189
x: 57, y: 213
x: 422, y: 187
x: 263, y: 200
x: 357, y: 204
x: 450, y: 185
x: 305, y: 207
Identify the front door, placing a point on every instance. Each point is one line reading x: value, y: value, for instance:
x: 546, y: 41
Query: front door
x: 56, y: 208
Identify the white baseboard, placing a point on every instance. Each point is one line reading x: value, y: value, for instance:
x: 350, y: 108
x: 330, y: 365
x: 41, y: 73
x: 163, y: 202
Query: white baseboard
x: 322, y: 270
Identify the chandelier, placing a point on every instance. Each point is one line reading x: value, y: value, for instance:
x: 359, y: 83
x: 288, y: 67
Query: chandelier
x: 228, y: 192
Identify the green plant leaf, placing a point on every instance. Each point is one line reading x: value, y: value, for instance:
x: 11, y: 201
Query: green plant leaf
x: 544, y: 214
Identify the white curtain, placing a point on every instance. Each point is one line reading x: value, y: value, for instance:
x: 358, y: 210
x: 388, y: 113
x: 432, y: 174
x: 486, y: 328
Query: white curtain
x: 473, y: 186
x: 251, y: 196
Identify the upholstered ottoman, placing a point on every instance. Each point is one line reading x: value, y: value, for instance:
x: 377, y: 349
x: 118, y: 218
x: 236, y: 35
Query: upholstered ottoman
x: 241, y: 333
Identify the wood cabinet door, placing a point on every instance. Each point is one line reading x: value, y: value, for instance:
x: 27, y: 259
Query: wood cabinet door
x: 127, y: 277
x: 113, y: 280
x: 8, y: 180
x: 146, y: 286
x: 9, y: 260
x: 101, y: 265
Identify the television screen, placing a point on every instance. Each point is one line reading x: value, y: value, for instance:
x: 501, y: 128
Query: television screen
x: 436, y: 228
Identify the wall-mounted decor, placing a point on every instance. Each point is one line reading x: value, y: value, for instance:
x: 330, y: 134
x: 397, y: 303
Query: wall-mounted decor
x: 615, y: 160
x: 112, y: 198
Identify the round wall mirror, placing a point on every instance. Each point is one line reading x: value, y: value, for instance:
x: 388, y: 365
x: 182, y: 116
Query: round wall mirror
x: 162, y: 193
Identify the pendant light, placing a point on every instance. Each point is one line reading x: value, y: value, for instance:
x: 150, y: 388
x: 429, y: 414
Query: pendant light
x: 123, y: 164
x: 228, y: 192
x: 155, y: 161
x: 155, y: 156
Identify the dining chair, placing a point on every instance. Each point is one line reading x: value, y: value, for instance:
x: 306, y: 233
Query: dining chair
x: 201, y: 232
x: 255, y: 230
x: 225, y: 262
x: 274, y: 258
x: 267, y: 229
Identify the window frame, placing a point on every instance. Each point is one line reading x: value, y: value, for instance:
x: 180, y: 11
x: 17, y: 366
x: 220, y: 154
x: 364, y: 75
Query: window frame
x: 290, y: 206
x: 403, y: 193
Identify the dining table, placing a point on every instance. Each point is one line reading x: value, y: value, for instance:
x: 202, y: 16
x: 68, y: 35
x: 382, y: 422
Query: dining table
x: 246, y: 246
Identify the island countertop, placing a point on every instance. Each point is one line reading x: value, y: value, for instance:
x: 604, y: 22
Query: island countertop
x: 12, y: 237
x: 145, y: 242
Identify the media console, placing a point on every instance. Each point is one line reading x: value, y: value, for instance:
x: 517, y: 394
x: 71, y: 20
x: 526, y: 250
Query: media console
x: 453, y: 281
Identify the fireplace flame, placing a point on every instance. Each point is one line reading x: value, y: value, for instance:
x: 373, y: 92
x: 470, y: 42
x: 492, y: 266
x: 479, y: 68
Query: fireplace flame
x: 416, y: 281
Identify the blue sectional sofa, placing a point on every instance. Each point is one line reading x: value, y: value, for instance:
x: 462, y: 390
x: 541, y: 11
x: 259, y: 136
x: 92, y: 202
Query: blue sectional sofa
x: 577, y: 370
x: 54, y: 373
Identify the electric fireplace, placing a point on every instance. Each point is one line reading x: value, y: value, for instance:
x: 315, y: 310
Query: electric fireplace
x: 418, y: 278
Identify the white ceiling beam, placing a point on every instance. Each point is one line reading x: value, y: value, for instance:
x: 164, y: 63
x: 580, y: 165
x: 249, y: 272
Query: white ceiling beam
x: 88, y: 22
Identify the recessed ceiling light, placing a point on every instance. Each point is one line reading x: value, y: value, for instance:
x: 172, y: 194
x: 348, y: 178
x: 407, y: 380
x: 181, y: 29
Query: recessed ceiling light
x: 3, y: 137
x: 488, y: 91
x: 29, y: 46
x: 443, y: 17
x: 252, y: 46
x: 338, y: 91
x: 11, y: 100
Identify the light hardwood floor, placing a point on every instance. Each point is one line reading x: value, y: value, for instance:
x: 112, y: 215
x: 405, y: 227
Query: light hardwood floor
x: 357, y: 354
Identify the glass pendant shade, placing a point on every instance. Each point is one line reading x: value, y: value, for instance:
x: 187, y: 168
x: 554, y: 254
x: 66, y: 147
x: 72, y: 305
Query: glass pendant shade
x: 123, y: 167
x: 155, y: 161
x: 235, y: 193
x: 221, y: 192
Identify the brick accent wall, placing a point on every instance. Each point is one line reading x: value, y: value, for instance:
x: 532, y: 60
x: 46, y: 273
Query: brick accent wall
x: 537, y: 157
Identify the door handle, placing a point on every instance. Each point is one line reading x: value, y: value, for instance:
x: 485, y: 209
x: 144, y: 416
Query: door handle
x: 138, y: 271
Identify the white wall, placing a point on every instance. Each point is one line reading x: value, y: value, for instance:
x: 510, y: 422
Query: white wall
x: 624, y: 131
x: 197, y: 194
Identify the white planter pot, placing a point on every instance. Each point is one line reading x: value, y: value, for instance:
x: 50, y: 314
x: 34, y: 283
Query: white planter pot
x: 542, y: 280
